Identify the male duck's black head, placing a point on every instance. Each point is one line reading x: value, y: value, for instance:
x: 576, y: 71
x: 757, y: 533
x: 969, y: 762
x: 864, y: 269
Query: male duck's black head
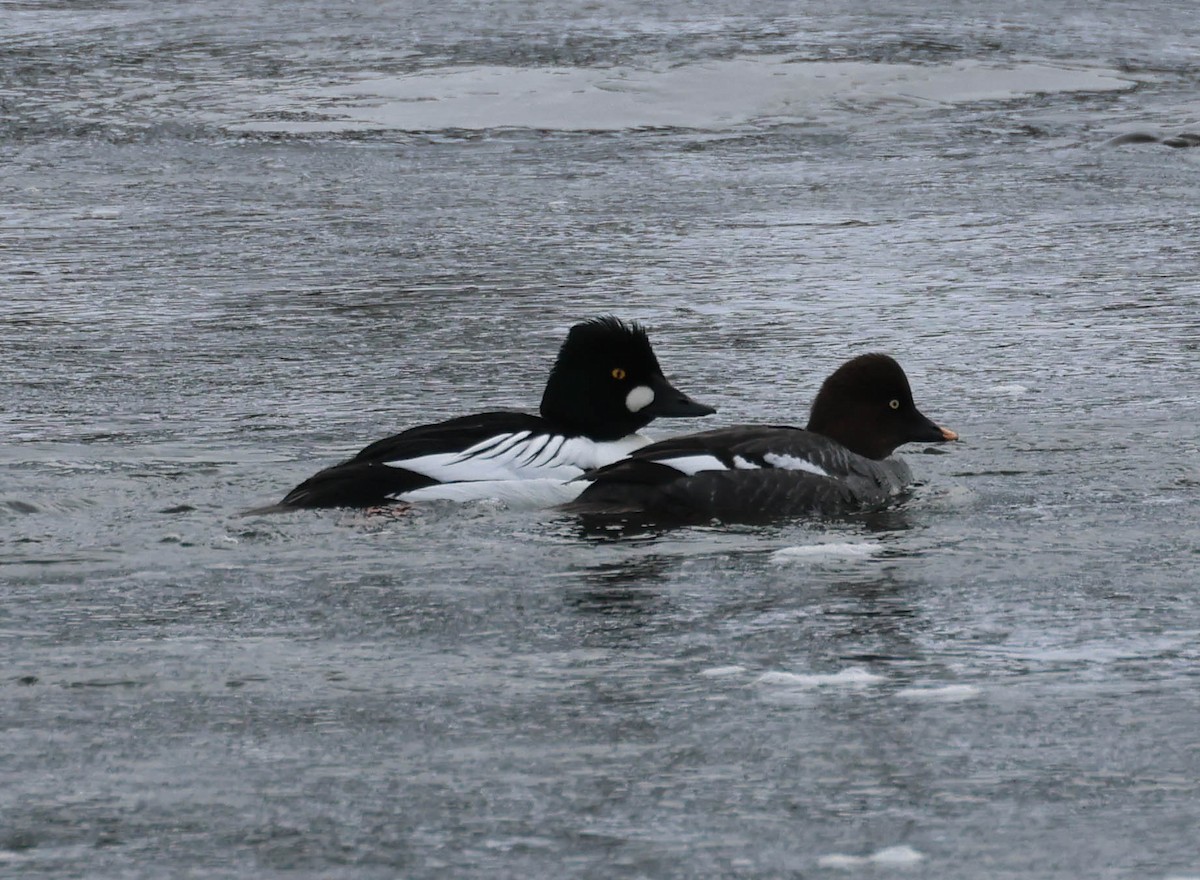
x: 867, y: 406
x: 607, y: 382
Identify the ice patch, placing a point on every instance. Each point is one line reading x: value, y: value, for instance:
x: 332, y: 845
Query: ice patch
x: 951, y: 693
x: 897, y: 856
x: 855, y: 677
x: 722, y: 671
x: 1012, y: 389
x: 891, y: 857
x: 830, y: 550
x: 713, y: 95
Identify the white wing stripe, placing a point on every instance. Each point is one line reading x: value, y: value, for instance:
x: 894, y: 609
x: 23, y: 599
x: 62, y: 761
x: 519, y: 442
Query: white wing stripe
x: 484, y: 445
x: 549, y: 451
x: 534, y: 448
x: 521, y: 456
x: 693, y: 464
x: 501, y: 448
x: 792, y: 463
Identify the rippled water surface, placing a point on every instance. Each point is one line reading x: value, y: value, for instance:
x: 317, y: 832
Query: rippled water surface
x: 240, y: 241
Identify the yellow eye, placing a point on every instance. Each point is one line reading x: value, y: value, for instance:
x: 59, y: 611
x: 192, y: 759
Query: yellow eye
x: 894, y: 404
x: 618, y: 373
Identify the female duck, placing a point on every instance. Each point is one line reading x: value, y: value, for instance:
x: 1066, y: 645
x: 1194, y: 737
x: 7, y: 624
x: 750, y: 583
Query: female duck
x: 839, y: 463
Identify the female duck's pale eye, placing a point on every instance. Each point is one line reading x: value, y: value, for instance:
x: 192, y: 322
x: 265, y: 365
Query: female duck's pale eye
x: 618, y: 373
x: 894, y: 404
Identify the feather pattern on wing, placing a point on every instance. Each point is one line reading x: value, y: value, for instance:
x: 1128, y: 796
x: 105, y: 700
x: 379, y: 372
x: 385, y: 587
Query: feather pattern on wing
x: 485, y: 450
x: 741, y: 472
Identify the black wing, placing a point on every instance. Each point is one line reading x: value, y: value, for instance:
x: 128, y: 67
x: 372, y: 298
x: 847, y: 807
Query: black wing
x: 452, y: 435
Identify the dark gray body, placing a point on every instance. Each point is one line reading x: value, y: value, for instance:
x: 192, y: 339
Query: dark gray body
x: 750, y: 478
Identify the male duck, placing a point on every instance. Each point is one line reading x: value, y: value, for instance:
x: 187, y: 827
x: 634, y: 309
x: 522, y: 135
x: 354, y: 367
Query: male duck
x: 604, y: 387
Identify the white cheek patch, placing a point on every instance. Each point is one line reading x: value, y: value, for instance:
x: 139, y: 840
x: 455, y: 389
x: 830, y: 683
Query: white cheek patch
x: 791, y: 463
x: 639, y: 398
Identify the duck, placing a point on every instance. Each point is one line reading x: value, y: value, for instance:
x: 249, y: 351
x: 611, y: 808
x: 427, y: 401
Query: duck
x: 838, y: 463
x: 604, y: 387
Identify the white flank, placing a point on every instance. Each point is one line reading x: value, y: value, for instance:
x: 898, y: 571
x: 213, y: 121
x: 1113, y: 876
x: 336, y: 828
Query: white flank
x: 519, y: 469
x: 693, y: 464
x: 639, y: 398
x: 742, y: 464
x: 792, y: 463
x: 516, y: 494
x: 599, y: 454
x: 521, y: 456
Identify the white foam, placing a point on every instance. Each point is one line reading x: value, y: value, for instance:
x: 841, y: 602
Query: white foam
x: 854, y: 677
x: 891, y: 857
x: 834, y: 550
x: 951, y: 693
x: 710, y: 95
x: 722, y: 671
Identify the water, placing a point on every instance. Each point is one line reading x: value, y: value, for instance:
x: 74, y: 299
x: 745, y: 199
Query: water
x: 240, y: 241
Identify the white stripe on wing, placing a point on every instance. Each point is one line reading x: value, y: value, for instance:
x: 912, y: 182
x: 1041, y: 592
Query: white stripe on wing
x: 793, y: 463
x: 521, y: 456
x: 693, y: 464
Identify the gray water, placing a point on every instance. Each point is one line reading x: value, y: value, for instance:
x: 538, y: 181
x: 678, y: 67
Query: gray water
x: 233, y: 250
